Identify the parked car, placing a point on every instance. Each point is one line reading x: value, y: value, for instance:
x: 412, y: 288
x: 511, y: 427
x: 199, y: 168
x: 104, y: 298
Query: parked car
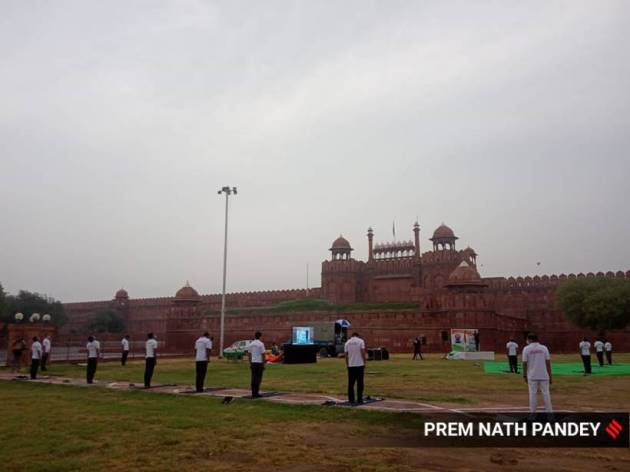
x: 237, y: 350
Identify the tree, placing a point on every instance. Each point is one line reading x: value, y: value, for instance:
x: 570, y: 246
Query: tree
x: 30, y: 302
x: 106, y: 321
x: 598, y: 304
x: 3, y: 300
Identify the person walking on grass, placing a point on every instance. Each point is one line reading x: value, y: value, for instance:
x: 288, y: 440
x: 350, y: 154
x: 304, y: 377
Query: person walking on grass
x: 124, y: 344
x: 537, y: 372
x: 257, y: 361
x: 512, y: 354
x: 417, y: 349
x: 203, y: 347
x: 36, y: 356
x: 599, y: 351
x: 47, y: 346
x: 355, y: 363
x: 585, y: 352
x: 150, y: 348
x: 608, y: 349
x: 93, y: 351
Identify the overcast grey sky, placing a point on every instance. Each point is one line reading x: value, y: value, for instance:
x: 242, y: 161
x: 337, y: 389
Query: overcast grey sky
x: 119, y: 121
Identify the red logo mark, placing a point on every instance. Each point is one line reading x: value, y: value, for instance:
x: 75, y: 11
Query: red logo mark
x: 613, y: 429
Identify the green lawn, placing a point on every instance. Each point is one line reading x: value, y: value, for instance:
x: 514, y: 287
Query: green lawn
x: 51, y: 427
x: 63, y: 427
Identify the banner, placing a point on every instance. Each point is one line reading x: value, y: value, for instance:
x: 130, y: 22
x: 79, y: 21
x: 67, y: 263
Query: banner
x: 509, y: 429
x: 463, y: 340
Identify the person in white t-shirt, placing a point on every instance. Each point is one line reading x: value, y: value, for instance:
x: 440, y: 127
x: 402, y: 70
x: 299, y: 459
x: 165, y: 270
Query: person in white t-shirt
x: 203, y: 346
x: 257, y: 361
x: 537, y: 372
x: 512, y: 354
x: 36, y: 356
x: 150, y: 348
x: 608, y: 349
x: 354, y: 350
x: 124, y: 344
x: 47, y: 345
x: 94, y: 351
x: 599, y: 351
x: 585, y: 352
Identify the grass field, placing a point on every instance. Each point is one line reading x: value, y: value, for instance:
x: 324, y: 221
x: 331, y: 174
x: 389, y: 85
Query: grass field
x: 433, y: 380
x: 47, y: 427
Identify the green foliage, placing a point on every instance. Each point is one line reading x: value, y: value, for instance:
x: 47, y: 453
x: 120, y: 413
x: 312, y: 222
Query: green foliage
x: 106, y: 321
x: 377, y: 306
x: 3, y: 300
x: 304, y: 305
x: 599, y: 304
x: 31, y: 302
x: 323, y: 305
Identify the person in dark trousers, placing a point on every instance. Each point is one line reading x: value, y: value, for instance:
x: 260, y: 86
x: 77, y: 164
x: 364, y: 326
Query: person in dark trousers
x: 257, y: 361
x: 585, y: 352
x: 150, y: 348
x: 124, y: 344
x: 512, y: 354
x: 476, y: 340
x: 46, y: 346
x: 599, y: 351
x: 417, y: 349
x: 203, y: 347
x: 18, y: 348
x: 36, y: 355
x: 94, y: 351
x: 608, y: 349
x: 355, y: 362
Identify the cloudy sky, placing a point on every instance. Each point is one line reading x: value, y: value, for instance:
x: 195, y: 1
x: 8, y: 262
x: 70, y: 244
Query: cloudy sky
x: 119, y: 121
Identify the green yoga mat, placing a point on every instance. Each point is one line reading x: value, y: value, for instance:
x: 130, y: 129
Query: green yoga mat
x: 571, y: 368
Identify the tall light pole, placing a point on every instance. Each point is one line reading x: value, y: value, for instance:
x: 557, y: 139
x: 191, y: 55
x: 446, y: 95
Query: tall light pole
x: 227, y: 191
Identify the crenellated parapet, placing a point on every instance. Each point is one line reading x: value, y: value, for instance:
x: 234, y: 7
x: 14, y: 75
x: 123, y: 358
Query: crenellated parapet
x: 406, y: 264
x: 445, y: 257
x: 79, y: 306
x: 548, y: 280
x: 261, y: 296
x: 349, y: 265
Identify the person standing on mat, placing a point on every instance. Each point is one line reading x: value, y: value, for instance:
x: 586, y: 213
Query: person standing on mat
x: 608, y: 349
x: 203, y: 347
x: 94, y: 351
x: 36, y: 356
x: 417, y: 349
x: 585, y: 352
x: 512, y: 354
x: 537, y: 372
x: 599, y: 351
x: 46, y: 345
x: 124, y: 344
x: 355, y: 362
x: 256, y: 356
x: 150, y: 349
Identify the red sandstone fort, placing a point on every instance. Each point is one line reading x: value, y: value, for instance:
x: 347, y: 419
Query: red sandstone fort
x: 398, y: 293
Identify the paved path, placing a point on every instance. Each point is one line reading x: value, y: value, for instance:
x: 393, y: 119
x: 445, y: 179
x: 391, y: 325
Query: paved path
x: 410, y: 406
